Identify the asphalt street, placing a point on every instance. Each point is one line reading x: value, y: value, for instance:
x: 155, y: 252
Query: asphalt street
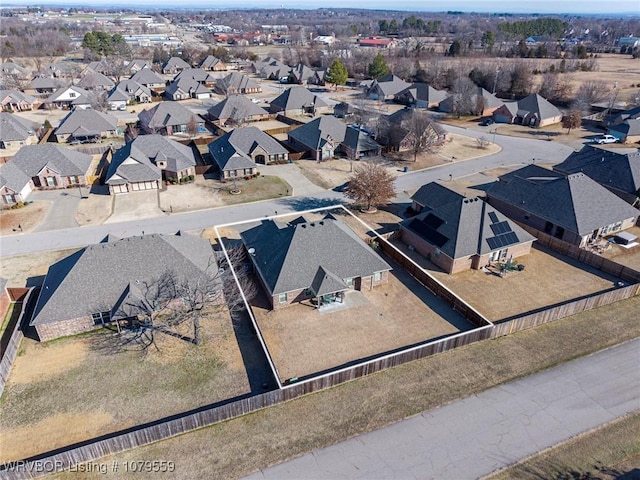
x: 477, y: 435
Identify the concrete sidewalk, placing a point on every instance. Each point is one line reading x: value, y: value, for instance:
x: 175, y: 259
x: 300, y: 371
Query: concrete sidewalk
x: 482, y: 433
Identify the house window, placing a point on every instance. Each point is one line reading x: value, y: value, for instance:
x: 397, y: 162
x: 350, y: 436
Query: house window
x: 548, y: 226
x: 9, y: 198
x: 247, y: 171
x: 349, y: 282
x: 51, y: 181
x: 282, y: 298
x: 377, y: 276
x: 101, y: 318
x: 72, y: 95
x: 73, y: 180
x: 308, y: 293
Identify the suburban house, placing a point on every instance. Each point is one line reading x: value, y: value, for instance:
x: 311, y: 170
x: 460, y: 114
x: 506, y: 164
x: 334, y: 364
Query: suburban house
x: 128, y: 91
x: 317, y: 261
x: 43, y: 86
x: 149, y: 79
x: 212, y: 64
x: 143, y: 162
x: 457, y: 233
x: 174, y: 65
x: 303, y: 75
x: 170, y: 118
x: 16, y: 132
x: 297, y: 101
x: 421, y: 95
x: 87, y: 125
x: 619, y: 117
x: 626, y: 132
x: 98, y: 66
x: 15, y: 185
x: 271, y: 69
x: 357, y: 144
x: 96, y: 82
x: 10, y: 69
x: 618, y: 172
x: 573, y: 208
x: 480, y: 103
x: 185, y: 86
x: 398, y: 135
x: 533, y: 111
x: 237, y: 83
x: 58, y: 70
x: 69, y: 97
x: 50, y: 166
x: 16, y: 101
x: 386, y: 87
x: 137, y: 64
x: 123, y: 274
x: 236, y: 153
x: 374, y: 42
x: 236, y: 110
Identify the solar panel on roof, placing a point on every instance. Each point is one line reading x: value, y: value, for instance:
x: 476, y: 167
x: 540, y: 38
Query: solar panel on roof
x: 500, y: 228
x: 493, y: 217
x: 429, y: 234
x: 493, y: 244
x: 432, y: 221
x: 502, y: 240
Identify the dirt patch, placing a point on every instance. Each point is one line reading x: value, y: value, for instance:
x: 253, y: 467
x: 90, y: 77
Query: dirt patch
x: 629, y: 257
x: 18, y: 443
x: 17, y: 270
x: 28, y: 217
x: 548, y: 279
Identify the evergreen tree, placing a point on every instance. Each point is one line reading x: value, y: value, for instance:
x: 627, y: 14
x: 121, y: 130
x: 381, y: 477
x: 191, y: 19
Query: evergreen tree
x: 337, y: 73
x: 378, y: 68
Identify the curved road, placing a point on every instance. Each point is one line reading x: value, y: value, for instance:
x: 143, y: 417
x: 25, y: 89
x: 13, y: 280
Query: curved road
x: 514, y: 151
x: 477, y: 435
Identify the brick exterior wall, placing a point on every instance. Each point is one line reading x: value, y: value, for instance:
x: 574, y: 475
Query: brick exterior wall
x: 4, y: 302
x: 49, y: 331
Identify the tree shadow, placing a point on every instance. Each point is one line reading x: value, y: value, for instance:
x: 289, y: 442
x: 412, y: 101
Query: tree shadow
x: 307, y: 203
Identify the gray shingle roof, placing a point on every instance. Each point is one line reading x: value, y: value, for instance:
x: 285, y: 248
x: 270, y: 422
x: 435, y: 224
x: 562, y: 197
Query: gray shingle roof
x: 196, y: 74
x: 175, y: 62
x: 232, y: 151
x: 423, y: 92
x: 83, y: 97
x: 575, y: 202
x: 317, y: 132
x: 146, y: 76
x: 389, y: 85
x: 96, y: 278
x: 12, y: 177
x: 608, y: 168
x: 13, y: 127
x: 237, y: 81
x: 10, y: 68
x: 45, y: 83
x: 271, y: 68
x: 88, y: 119
x: 537, y: 104
x: 31, y: 159
x: 95, y: 80
x: 359, y: 141
x: 17, y: 96
x: 461, y: 226
x: 167, y: 113
x: 127, y: 89
x: 433, y: 195
x: 209, y: 62
x: 235, y: 107
x: 289, y: 256
x: 295, y: 98
x: 626, y: 128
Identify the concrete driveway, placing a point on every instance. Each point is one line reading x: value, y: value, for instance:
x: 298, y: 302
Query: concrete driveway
x: 291, y: 174
x: 62, y: 213
x: 135, y: 206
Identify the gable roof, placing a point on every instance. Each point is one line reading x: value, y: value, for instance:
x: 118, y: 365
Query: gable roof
x: 187, y: 85
x: 128, y: 88
x: 166, y: 113
x: 31, y: 159
x: 146, y: 76
x: 539, y: 105
x: 94, y: 80
x: 160, y: 148
x: 209, y: 62
x: 113, y: 268
x: 294, y: 256
x: 359, y: 141
x: 296, y: 98
x: 83, y: 97
x: 631, y: 126
x: 130, y: 165
x: 389, y: 85
x: 271, y: 68
x: 317, y: 133
x: 461, y: 227
x: 13, y: 127
x: 423, y: 92
x: 10, y: 68
x: 175, y: 62
x: 16, y: 96
x: 433, y: 195
x: 87, y: 120
x: 235, y: 107
x: 237, y: 81
x: 45, y: 83
x: 232, y: 151
x: 12, y: 177
x: 608, y: 168
x: 575, y: 202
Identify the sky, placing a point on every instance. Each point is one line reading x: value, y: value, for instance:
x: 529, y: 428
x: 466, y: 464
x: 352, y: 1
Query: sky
x: 501, y: 6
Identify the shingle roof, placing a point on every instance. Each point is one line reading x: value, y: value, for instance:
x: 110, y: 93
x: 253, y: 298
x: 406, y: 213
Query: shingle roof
x: 16, y: 96
x: 359, y: 141
x: 31, y: 159
x: 166, y: 113
x: 575, y: 202
x: 423, y: 92
x: 389, y: 85
x: 433, y: 195
x: 289, y: 256
x: 232, y: 151
x: 237, y: 81
x: 209, y: 62
x: 295, y: 98
x: 316, y: 133
x: 270, y: 67
x: 535, y: 103
x: 96, y: 278
x: 87, y: 119
x: 187, y: 85
x: 12, y: 177
x: 45, y: 83
x: 94, y: 80
x: 461, y: 226
x: 175, y: 62
x: 10, y: 68
x: 83, y: 97
x: 630, y: 126
x: 127, y: 89
x: 146, y: 76
x: 13, y: 127
x: 608, y: 168
x: 235, y: 107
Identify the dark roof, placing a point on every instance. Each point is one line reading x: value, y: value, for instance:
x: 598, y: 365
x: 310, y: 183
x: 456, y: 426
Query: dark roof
x: 98, y: 277
x: 167, y: 113
x: 235, y: 107
x: 574, y: 202
x: 295, y: 98
x: 620, y: 171
x: 316, y: 133
x: 290, y: 256
x: 539, y: 105
x: 146, y: 76
x: 433, y: 195
x: 461, y: 226
x: 423, y: 92
x: 359, y: 141
x: 31, y: 159
x: 628, y: 127
x: 237, y: 81
x: 89, y: 119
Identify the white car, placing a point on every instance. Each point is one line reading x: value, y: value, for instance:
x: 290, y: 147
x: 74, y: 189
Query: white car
x: 606, y: 139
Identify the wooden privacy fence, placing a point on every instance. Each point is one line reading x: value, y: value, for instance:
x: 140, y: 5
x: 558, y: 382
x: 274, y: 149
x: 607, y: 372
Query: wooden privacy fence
x: 570, y: 308
x: 11, y: 350
x: 609, y: 266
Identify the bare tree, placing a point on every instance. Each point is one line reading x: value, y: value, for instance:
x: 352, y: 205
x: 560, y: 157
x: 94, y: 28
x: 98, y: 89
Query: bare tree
x: 572, y: 119
x: 420, y: 136
x: 371, y: 185
x: 192, y: 126
x: 590, y: 92
x: 131, y: 133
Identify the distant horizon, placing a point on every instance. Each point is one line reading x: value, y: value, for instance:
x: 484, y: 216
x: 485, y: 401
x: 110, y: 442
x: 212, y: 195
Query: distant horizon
x: 586, y: 7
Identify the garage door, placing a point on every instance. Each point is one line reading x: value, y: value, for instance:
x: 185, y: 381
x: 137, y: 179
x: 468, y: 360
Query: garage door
x: 135, y: 187
x: 150, y: 185
x: 120, y: 189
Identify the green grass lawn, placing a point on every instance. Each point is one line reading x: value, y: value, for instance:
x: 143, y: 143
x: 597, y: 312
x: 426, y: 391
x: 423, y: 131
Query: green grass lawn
x: 263, y: 187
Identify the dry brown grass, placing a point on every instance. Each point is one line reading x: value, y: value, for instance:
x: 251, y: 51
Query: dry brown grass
x: 28, y: 217
x: 242, y: 445
x: 629, y: 257
x: 548, y: 278
x: 76, y: 388
x: 606, y: 453
x: 17, y: 270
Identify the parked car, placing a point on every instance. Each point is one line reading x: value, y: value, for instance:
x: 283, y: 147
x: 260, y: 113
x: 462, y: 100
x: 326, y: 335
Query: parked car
x: 606, y: 139
x: 122, y: 107
x: 341, y: 188
x: 486, y: 122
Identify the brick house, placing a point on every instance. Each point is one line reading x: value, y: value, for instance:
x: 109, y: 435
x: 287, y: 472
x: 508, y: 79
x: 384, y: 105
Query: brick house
x: 312, y: 261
